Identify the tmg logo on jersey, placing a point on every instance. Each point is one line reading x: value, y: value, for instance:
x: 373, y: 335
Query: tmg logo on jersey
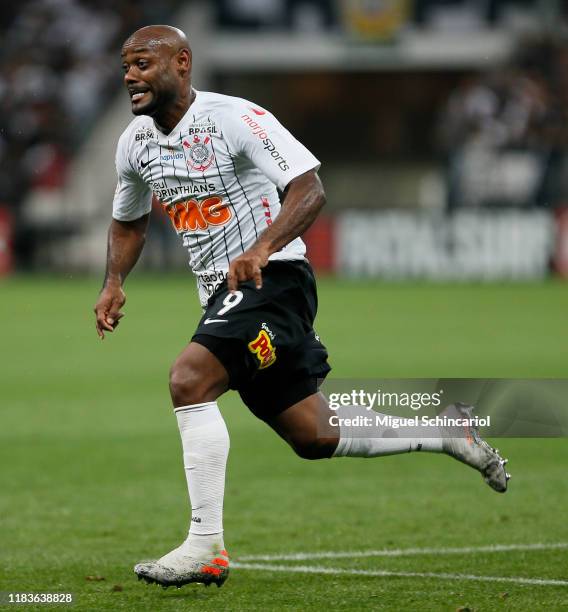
x: 194, y: 215
x: 262, y: 347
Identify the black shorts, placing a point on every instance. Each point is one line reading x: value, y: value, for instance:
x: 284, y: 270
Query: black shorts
x: 265, y: 339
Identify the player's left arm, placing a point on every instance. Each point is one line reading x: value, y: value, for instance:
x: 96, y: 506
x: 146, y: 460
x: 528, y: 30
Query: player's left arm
x: 304, y: 199
x: 256, y: 133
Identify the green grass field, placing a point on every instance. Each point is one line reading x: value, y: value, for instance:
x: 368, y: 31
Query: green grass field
x: 91, y: 476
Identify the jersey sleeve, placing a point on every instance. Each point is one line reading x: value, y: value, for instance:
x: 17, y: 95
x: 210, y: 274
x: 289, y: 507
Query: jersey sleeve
x: 255, y: 133
x: 133, y: 197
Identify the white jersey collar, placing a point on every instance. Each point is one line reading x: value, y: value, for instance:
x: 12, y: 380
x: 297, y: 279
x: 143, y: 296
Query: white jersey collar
x: 164, y: 138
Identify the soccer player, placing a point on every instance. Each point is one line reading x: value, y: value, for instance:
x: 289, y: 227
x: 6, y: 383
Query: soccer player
x: 215, y: 163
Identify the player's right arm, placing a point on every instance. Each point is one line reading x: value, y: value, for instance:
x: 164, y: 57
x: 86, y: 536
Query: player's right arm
x: 126, y: 236
x: 125, y: 243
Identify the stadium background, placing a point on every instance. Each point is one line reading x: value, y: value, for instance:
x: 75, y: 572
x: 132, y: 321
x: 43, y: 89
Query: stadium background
x: 441, y: 127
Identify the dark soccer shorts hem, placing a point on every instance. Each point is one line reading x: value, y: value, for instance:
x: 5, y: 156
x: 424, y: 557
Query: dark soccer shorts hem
x: 229, y: 352
x: 265, y: 398
x: 256, y: 397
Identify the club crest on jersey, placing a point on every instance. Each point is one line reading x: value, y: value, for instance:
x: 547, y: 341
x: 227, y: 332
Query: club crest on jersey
x: 262, y: 347
x: 200, y: 156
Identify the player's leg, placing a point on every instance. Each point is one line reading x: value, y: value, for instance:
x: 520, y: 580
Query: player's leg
x: 197, y: 379
x: 307, y: 428
x: 315, y: 431
x: 217, y: 358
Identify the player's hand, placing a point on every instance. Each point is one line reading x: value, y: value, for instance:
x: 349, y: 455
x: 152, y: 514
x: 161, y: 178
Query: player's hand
x: 247, y: 267
x: 107, y: 309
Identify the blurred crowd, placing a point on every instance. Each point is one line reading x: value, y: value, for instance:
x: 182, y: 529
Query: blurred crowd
x: 464, y: 15
x: 506, y: 132
x: 59, y: 65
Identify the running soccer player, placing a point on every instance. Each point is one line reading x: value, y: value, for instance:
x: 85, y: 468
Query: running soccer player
x: 215, y: 163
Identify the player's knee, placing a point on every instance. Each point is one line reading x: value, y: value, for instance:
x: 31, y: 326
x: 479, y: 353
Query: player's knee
x: 189, y: 384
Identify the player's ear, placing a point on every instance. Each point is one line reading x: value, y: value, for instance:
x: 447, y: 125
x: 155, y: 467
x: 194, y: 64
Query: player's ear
x: 183, y: 61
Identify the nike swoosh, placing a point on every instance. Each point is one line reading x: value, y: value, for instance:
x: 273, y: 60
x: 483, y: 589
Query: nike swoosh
x: 207, y: 321
x: 257, y: 111
x: 148, y: 162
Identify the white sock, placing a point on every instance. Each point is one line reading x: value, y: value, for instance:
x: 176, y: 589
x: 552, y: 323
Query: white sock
x: 205, y: 442
x: 376, y: 440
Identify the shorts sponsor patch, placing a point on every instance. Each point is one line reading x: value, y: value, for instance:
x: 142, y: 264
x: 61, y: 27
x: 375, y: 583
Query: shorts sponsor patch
x: 262, y: 347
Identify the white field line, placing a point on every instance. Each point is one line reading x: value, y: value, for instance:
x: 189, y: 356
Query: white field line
x: 404, y: 552
x: 310, y: 569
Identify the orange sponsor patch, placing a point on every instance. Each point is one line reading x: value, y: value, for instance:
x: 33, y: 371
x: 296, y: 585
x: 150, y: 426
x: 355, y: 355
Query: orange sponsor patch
x: 195, y: 215
x: 262, y: 347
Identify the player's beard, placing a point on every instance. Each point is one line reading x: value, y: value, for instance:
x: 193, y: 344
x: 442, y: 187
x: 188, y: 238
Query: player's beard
x: 147, y: 108
x: 156, y: 104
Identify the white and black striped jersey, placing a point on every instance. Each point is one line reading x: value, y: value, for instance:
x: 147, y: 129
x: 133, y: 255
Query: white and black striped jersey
x: 215, y: 175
